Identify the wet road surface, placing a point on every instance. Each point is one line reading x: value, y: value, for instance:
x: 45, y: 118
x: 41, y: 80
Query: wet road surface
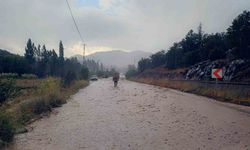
x: 136, y: 116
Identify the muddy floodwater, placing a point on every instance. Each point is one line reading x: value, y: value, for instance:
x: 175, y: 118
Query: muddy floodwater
x: 137, y: 116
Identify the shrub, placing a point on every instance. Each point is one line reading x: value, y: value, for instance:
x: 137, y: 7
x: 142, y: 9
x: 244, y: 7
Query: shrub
x: 40, y: 105
x: 84, y: 73
x: 37, y: 106
x: 26, y: 111
x: 7, y: 90
x: 55, y: 100
x: 6, y: 128
x: 69, y: 78
x: 49, y: 86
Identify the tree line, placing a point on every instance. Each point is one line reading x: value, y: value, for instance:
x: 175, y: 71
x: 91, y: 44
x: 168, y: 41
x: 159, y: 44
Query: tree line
x: 42, y: 62
x: 198, y: 46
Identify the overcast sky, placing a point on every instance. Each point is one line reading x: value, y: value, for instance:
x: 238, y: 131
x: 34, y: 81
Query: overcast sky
x: 148, y: 25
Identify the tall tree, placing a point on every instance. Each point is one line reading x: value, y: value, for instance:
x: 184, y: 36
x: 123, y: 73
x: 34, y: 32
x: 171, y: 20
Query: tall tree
x: 144, y: 64
x: 53, y: 63
x: 44, y: 54
x: 61, y: 60
x: 29, y: 52
x: 239, y: 35
x: 200, y: 34
x: 158, y: 58
x: 38, y: 52
x: 61, y: 51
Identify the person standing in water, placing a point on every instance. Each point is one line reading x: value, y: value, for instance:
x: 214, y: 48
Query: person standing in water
x: 116, y: 77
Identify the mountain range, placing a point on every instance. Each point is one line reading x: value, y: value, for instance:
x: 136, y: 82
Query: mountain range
x: 116, y: 59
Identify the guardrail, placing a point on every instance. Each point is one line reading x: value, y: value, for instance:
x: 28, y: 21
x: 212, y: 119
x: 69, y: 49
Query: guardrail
x: 215, y: 82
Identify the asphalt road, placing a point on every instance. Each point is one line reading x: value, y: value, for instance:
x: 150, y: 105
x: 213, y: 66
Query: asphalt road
x: 136, y: 116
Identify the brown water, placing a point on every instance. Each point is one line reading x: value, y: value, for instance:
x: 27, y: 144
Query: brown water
x: 136, y: 117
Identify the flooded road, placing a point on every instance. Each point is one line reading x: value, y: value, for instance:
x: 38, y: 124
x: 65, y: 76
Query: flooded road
x: 136, y: 116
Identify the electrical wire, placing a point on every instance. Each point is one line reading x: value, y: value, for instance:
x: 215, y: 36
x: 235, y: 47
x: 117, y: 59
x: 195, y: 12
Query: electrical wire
x: 73, y: 18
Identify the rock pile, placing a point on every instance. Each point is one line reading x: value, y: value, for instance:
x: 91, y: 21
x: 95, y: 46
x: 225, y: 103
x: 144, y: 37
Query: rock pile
x: 233, y: 70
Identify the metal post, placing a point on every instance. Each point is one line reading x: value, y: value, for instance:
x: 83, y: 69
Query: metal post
x: 83, y: 56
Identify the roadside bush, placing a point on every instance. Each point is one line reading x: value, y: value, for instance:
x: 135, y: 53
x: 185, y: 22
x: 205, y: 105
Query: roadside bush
x: 56, y: 101
x: 26, y: 111
x: 49, y: 86
x: 84, y: 73
x: 69, y: 78
x: 7, y: 89
x: 132, y: 71
x: 6, y: 129
x: 49, y: 94
x: 37, y: 106
x: 40, y: 105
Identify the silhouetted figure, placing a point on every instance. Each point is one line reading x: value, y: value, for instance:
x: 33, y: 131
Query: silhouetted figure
x: 116, y: 77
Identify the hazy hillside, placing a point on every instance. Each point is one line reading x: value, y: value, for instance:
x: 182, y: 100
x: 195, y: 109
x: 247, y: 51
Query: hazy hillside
x: 118, y: 59
x: 5, y: 53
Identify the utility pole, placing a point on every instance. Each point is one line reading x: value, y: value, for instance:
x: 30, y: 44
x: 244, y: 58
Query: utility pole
x: 83, y: 56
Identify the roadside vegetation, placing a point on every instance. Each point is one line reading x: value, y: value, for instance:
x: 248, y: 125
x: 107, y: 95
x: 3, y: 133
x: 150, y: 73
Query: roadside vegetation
x: 226, y: 93
x: 29, y: 99
x: 33, y: 84
x: 98, y: 69
x: 132, y: 71
x: 164, y: 68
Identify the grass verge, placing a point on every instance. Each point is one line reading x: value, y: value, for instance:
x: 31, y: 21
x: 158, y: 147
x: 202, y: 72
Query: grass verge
x: 226, y: 93
x: 37, y: 97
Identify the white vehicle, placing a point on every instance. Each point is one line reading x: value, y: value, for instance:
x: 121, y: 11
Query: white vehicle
x: 94, y: 78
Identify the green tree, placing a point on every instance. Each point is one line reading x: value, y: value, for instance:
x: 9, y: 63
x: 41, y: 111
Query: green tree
x: 38, y: 53
x: 144, y: 63
x: 44, y: 68
x: 214, y: 46
x: 174, y: 56
x: 158, y: 59
x: 54, y: 63
x: 29, y: 52
x: 132, y: 71
x: 239, y: 35
x: 84, y: 73
x: 61, y: 51
x: 69, y: 78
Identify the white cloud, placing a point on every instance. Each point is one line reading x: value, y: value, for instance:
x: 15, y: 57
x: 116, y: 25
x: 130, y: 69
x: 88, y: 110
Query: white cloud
x: 77, y: 48
x: 110, y: 4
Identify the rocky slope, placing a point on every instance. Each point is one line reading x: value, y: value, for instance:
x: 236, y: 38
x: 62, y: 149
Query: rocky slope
x: 233, y: 70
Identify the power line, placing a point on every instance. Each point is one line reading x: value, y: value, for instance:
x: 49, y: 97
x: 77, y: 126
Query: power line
x: 70, y: 10
x: 80, y: 35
